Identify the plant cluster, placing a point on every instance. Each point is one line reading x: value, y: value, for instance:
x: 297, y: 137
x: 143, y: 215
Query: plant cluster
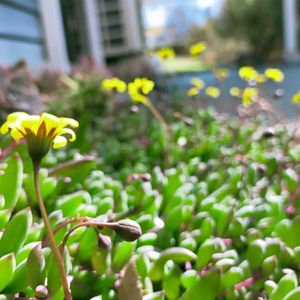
x: 221, y: 223
x: 193, y: 206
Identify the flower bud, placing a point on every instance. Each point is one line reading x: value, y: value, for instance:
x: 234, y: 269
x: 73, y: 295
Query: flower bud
x: 104, y: 241
x: 128, y: 230
x: 134, y: 109
x: 41, y: 292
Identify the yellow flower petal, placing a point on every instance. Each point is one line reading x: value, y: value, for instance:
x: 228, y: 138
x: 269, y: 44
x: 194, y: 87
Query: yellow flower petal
x: 296, y: 98
x: 249, y: 95
x: 4, y: 128
x: 139, y: 88
x: 13, y: 117
x: 16, y: 134
x: 274, y: 74
x: 50, y: 121
x: 121, y: 87
x: 68, y: 121
x: 139, y: 98
x: 197, y: 48
x: 32, y: 122
x: 166, y: 53
x: 70, y: 132
x: 198, y: 83
x: 59, y: 141
x: 235, y: 92
x: 147, y: 87
x: 213, y: 92
x: 248, y: 73
x: 193, y: 91
x: 222, y: 73
x: 260, y: 78
x: 113, y: 84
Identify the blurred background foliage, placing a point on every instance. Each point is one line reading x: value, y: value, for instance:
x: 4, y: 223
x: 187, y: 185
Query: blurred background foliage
x: 246, y: 32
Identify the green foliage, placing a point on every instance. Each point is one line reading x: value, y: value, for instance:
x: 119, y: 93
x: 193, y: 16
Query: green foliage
x: 13, y: 175
x: 80, y: 93
x: 259, y: 23
x: 16, y: 232
x: 219, y: 217
x: 7, y: 266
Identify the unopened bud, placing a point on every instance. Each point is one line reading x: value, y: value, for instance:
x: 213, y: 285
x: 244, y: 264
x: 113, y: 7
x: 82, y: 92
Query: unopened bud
x: 135, y: 176
x: 134, y: 109
x: 41, y: 292
x: 104, y: 241
x: 268, y: 133
x: 128, y: 230
x: 279, y: 93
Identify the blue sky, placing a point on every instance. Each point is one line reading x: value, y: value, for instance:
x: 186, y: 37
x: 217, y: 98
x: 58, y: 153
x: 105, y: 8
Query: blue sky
x: 156, y: 13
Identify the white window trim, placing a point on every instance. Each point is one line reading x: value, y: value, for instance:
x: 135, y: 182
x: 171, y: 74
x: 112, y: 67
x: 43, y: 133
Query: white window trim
x: 55, y: 42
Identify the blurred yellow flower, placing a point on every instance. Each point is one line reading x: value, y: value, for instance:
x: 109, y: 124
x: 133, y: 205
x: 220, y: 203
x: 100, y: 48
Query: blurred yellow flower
x: 222, y: 73
x: 139, y: 88
x: 113, y: 84
x: 197, y: 86
x: 274, y: 74
x: 249, y: 95
x: 193, y: 91
x: 235, y: 92
x: 198, y: 48
x: 40, y: 132
x: 197, y: 83
x: 260, y: 78
x: 296, y: 98
x: 213, y: 91
x: 248, y: 73
x: 166, y: 53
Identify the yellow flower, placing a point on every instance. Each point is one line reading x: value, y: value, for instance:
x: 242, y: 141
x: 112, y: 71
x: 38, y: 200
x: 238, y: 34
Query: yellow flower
x: 274, y: 74
x: 222, y: 73
x: 139, y: 88
x: 248, y: 73
x: 197, y: 48
x: 166, y: 53
x: 260, y: 78
x: 249, y: 95
x: 296, y: 98
x: 197, y: 86
x: 113, y: 84
x: 40, y: 132
x: 235, y: 92
x: 193, y: 91
x: 197, y: 83
x: 213, y: 92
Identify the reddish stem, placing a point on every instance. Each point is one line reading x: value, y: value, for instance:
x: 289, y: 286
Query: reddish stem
x: 9, y: 148
x: 248, y: 282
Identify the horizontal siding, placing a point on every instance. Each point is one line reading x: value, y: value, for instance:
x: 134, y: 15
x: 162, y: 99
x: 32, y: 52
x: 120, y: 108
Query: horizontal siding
x: 32, y: 4
x: 17, y: 22
x: 21, y: 34
x: 13, y: 51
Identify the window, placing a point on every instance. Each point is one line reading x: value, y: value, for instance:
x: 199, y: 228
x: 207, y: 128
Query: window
x: 21, y: 35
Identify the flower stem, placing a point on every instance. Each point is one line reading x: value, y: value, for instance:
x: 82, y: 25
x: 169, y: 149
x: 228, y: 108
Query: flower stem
x: 57, y: 256
x: 164, y: 125
x: 92, y: 223
x: 158, y: 116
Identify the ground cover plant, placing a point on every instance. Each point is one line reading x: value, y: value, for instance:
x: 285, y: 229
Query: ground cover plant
x: 151, y: 205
